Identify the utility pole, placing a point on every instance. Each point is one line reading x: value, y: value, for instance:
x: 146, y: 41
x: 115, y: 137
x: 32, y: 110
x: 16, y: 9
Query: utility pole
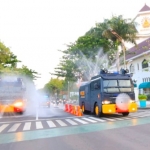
x: 68, y: 90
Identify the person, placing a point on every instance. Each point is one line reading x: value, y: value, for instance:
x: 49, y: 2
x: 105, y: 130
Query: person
x: 57, y: 100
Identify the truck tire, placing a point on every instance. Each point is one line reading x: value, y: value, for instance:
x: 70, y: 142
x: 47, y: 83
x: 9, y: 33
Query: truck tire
x: 125, y: 113
x: 83, y: 108
x: 97, y: 111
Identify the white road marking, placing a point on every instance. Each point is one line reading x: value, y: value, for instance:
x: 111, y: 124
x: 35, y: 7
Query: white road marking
x: 51, y: 124
x: 14, y: 127
x: 146, y: 115
x: 117, y: 118
x: 71, y: 122
x: 97, y: 119
x: 27, y: 126
x: 81, y: 121
x: 61, y: 123
x: 39, y: 125
x: 90, y: 120
x: 108, y: 119
x: 2, y: 127
x: 127, y: 118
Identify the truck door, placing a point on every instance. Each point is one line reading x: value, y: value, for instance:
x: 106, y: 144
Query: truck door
x: 87, y: 98
x: 95, y: 93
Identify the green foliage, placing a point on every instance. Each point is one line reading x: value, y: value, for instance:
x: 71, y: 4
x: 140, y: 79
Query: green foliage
x: 66, y: 69
x: 31, y: 74
x: 88, y: 45
x: 7, y: 58
x: 123, y: 27
x: 148, y: 97
x: 142, y: 97
x: 54, y: 86
x: 8, y: 64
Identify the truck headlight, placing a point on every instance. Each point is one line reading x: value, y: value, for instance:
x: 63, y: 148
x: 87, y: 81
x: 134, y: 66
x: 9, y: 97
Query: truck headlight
x: 106, y: 102
x: 18, y: 104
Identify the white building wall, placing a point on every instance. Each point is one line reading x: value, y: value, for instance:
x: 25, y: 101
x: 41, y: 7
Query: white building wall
x: 140, y: 73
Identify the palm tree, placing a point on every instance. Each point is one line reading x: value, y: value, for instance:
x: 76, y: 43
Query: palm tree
x: 118, y: 29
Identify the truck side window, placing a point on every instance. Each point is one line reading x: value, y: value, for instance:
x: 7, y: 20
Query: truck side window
x: 95, y: 85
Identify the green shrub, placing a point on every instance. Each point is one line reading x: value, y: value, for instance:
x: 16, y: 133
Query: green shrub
x: 148, y: 96
x: 142, y: 97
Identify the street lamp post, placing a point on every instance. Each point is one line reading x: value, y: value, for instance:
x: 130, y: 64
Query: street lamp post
x: 68, y: 90
x: 123, y: 45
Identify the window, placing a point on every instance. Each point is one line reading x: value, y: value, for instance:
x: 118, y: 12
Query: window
x: 146, y: 79
x: 131, y: 68
x: 95, y: 85
x: 124, y: 83
x: 110, y: 83
x: 144, y: 64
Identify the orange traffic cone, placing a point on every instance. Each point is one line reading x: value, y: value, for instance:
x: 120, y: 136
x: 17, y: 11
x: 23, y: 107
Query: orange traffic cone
x: 79, y: 112
x: 66, y: 107
x: 70, y: 108
x: 72, y: 111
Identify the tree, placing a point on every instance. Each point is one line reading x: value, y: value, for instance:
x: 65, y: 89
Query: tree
x: 54, y: 86
x: 8, y: 64
x: 86, y: 47
x: 31, y: 74
x: 7, y: 58
x: 118, y: 29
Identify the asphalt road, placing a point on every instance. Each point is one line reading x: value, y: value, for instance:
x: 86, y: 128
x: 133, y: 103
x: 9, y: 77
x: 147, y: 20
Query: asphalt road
x: 55, y: 129
x: 36, y: 113
x: 87, y: 137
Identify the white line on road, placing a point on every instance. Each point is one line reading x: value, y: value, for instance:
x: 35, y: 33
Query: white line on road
x: 127, y: 118
x: 14, y: 127
x: 71, y: 122
x: 27, y: 126
x: 97, y: 119
x: 3, y: 127
x: 90, y: 120
x: 61, y: 123
x: 145, y: 115
x: 81, y: 121
x: 51, y: 124
x: 108, y: 119
x: 39, y: 125
x: 117, y: 118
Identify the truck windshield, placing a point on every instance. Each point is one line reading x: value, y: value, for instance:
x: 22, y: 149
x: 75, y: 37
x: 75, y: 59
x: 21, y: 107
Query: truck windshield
x: 112, y: 86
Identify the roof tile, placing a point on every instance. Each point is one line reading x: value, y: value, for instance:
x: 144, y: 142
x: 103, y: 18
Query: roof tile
x: 138, y: 49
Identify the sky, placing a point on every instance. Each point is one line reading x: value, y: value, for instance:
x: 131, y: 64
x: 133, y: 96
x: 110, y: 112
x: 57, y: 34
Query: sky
x: 35, y: 30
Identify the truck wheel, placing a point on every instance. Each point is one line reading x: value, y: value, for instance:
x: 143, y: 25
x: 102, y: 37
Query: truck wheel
x: 97, y: 111
x: 125, y: 113
x: 21, y: 112
x: 83, y: 108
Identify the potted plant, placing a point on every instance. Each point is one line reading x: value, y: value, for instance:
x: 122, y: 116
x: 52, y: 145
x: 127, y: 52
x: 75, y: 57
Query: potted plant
x: 142, y: 99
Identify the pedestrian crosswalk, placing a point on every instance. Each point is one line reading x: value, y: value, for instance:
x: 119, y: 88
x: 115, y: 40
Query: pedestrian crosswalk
x: 64, y: 122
